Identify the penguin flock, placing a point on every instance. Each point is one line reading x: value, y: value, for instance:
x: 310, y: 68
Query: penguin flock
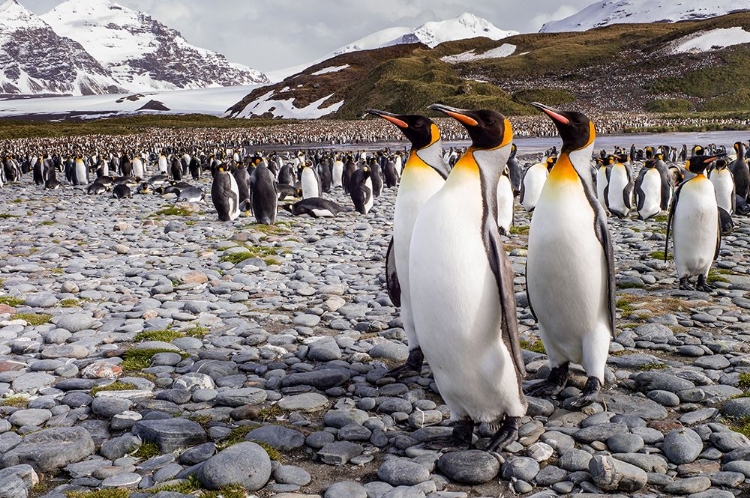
x: 446, y: 265
x: 447, y: 269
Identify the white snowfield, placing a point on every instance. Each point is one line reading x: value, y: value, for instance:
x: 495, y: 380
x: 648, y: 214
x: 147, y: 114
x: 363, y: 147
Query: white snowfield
x: 504, y: 50
x: 714, y: 39
x: 286, y: 108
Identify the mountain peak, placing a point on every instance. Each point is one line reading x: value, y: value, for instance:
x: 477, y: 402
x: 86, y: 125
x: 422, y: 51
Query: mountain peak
x: 140, y: 51
x: 13, y: 15
x: 608, y: 12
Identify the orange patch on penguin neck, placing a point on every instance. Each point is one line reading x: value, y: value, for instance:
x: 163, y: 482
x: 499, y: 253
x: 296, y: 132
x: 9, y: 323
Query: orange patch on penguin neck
x: 563, y: 170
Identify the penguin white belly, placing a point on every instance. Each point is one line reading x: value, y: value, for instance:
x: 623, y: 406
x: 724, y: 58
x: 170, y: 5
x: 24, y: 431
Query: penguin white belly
x: 723, y: 186
x: 618, y: 180
x: 601, y: 185
x: 234, y: 202
x: 504, y: 203
x: 338, y: 173
x: 419, y: 183
x: 567, y: 278
x: 371, y: 200
x: 81, y: 172
x: 695, y: 227
x: 651, y: 188
x: 322, y: 213
x: 105, y: 168
x: 309, y: 184
x: 138, y: 171
x: 457, y: 310
x: 533, y: 183
x: 163, y: 165
x: 399, y: 166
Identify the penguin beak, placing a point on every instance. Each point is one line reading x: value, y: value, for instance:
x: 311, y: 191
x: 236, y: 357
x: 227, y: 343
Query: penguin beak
x: 553, y: 113
x: 460, y: 115
x: 393, y: 118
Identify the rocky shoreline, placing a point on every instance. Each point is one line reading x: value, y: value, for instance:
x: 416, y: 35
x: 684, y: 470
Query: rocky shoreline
x: 155, y: 353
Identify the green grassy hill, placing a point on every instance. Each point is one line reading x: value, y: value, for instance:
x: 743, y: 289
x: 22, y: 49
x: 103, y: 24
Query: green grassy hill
x: 626, y: 67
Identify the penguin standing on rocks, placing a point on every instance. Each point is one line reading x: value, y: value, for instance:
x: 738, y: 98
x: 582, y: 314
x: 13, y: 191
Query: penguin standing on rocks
x: 337, y: 172
x: 309, y: 181
x: 723, y: 182
x: 603, y: 169
x: 515, y: 172
x: 360, y: 190
x: 620, y: 188
x: 242, y: 177
x: 505, y: 199
x: 424, y: 174
x: 741, y: 172
x: 652, y: 189
x: 462, y: 288
x: 570, y: 272
x: 532, y: 184
x: 224, y: 194
x: 80, y: 172
x: 695, y: 225
x: 263, y: 195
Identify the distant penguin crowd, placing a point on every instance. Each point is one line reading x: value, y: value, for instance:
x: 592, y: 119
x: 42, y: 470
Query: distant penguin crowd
x: 446, y: 265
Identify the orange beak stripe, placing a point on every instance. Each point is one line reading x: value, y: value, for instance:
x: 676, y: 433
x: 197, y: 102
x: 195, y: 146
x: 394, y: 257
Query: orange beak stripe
x: 398, y: 122
x: 462, y: 118
x: 557, y: 117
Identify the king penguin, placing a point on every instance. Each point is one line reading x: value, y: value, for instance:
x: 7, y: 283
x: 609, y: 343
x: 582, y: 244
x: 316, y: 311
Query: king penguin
x: 723, y: 182
x: 620, y: 188
x: 741, y: 172
x: 263, y: 195
x: 225, y: 195
x: 532, y: 184
x: 694, y: 221
x: 505, y: 199
x: 424, y: 174
x: 337, y: 171
x: 570, y: 273
x: 462, y: 287
x: 652, y: 189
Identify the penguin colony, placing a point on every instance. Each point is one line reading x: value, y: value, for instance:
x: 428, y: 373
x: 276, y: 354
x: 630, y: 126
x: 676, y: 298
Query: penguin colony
x: 446, y: 266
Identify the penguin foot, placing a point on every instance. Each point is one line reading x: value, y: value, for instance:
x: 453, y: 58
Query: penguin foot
x: 702, y: 285
x: 590, y: 393
x: 552, y: 386
x: 507, y: 433
x: 459, y: 440
x: 685, y: 283
x: 413, y: 364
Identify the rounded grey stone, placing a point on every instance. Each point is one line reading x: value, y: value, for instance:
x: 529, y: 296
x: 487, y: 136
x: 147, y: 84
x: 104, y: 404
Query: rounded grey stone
x: 664, y: 398
x: 317, y: 440
x: 75, y: 322
x: 521, y: 468
x: 682, y: 446
x: 120, y: 446
x: 324, y: 349
x: 281, y: 438
x: 240, y: 397
x: 246, y: 464
x: 574, y: 460
x: 109, y: 406
x: 346, y: 489
x: 687, y: 486
x: 625, y: 443
x: 127, y: 480
x: 51, y: 449
x: 306, y: 402
x: 170, y: 434
x: 40, y: 300
x: 469, y: 467
x: 402, y: 472
x: 611, y: 474
x: 392, y: 351
x: 737, y: 408
x: 32, y: 417
x: 289, y: 474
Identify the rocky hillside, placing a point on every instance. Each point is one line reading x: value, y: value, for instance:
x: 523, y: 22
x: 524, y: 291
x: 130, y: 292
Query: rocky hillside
x: 685, y: 66
x: 141, y: 52
x: 36, y: 60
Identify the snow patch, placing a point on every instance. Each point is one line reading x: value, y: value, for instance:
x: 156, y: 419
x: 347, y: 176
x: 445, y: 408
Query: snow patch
x: 714, y: 39
x: 286, y: 108
x: 504, y: 50
x: 330, y: 69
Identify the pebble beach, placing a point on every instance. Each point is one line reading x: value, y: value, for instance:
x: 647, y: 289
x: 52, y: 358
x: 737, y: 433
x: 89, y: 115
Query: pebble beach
x: 149, y: 349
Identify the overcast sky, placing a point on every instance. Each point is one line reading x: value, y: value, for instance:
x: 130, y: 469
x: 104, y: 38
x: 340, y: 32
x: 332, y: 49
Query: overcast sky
x: 275, y: 34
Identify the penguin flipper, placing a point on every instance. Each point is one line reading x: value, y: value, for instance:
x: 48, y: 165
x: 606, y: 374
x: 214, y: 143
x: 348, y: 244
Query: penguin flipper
x: 391, y: 276
x: 665, y: 188
x: 602, y: 233
x: 640, y: 195
x: 669, y: 218
x: 501, y: 268
x: 718, y: 238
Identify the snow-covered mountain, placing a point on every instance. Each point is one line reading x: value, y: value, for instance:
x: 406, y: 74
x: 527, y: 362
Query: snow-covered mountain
x: 142, y: 53
x: 35, y: 60
x: 609, y: 12
x: 431, y: 34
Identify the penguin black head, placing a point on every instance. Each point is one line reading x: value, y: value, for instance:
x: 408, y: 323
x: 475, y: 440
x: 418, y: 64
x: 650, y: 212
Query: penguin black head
x: 697, y: 164
x: 488, y: 129
x: 551, y: 160
x: 623, y: 158
x: 611, y: 159
x: 420, y: 130
x: 575, y: 128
